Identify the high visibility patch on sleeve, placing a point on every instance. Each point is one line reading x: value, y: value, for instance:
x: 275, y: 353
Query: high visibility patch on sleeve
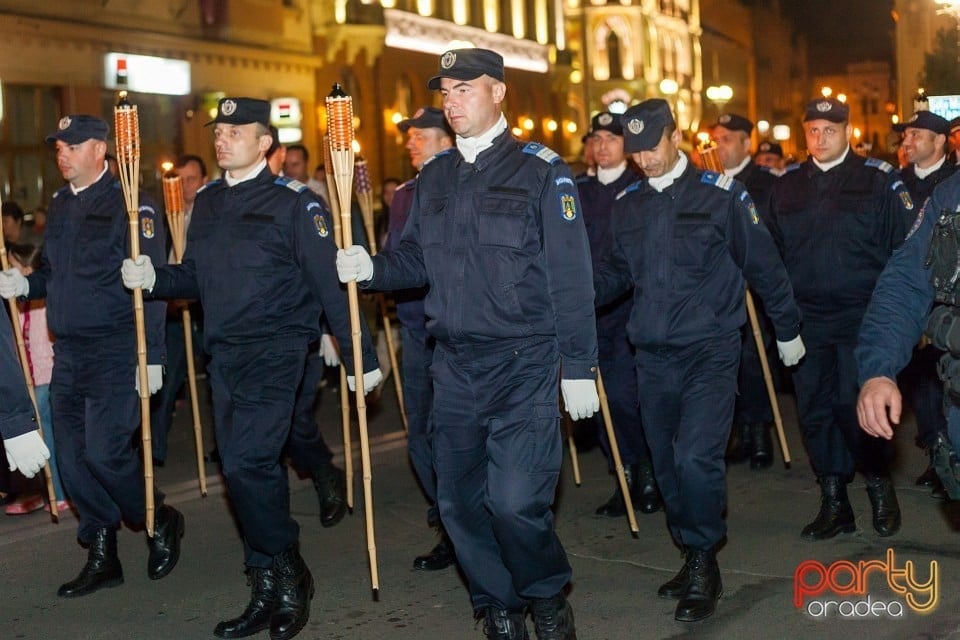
x: 148, y: 226
x: 630, y: 188
x: 546, y: 154
x: 319, y: 220
x: 877, y: 163
x: 717, y: 179
x: 290, y: 183
x: 568, y: 207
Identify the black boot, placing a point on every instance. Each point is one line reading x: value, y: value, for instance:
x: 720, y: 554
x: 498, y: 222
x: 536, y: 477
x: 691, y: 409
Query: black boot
x: 504, y: 625
x: 440, y: 557
x: 553, y: 618
x: 331, y: 487
x: 646, y: 496
x: 836, y: 514
x: 102, y: 569
x: 886, y: 509
x: 616, y: 507
x: 930, y: 479
x: 705, y: 588
x: 761, y: 446
x: 738, y: 446
x: 165, y: 543
x: 256, y: 617
x: 676, y: 586
x: 294, y: 592
x: 947, y: 465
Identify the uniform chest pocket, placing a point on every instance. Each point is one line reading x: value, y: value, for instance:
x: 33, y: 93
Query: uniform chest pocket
x: 503, y: 220
x: 254, y: 242
x: 432, y: 219
x: 693, y: 233
x: 858, y: 202
x: 94, y: 235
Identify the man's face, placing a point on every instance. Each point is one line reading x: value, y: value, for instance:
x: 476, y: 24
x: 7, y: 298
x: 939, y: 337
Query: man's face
x: 239, y: 147
x: 191, y: 179
x: 826, y: 141
x: 767, y: 159
x: 472, y: 106
x: 295, y: 165
x: 425, y: 143
x: 607, y: 149
x: 11, y: 229
x: 732, y: 146
x: 955, y: 139
x: 658, y: 161
x: 80, y: 164
x: 922, y: 147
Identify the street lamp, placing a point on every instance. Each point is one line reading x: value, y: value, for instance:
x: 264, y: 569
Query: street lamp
x: 719, y: 96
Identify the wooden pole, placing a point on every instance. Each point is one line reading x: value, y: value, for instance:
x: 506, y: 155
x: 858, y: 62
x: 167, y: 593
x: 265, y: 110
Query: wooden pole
x: 340, y: 130
x: 176, y: 223
x: 767, y: 377
x: 127, y: 126
x: 615, y: 453
x: 571, y: 443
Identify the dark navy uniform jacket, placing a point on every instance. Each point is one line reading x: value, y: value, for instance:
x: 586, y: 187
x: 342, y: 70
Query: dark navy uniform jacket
x: 87, y: 236
x: 835, y: 231
x: 410, y: 308
x: 501, y: 243
x: 897, y: 314
x: 597, y: 200
x: 759, y: 183
x: 921, y: 188
x: 250, y: 250
x: 685, y: 251
x: 16, y: 409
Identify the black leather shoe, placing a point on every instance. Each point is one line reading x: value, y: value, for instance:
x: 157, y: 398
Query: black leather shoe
x: 676, y: 586
x: 102, y: 570
x: 294, y: 593
x: 616, y: 506
x: 646, y: 496
x: 504, y: 625
x: 886, y: 509
x: 738, y: 446
x: 331, y: 487
x: 947, y: 465
x: 553, y: 618
x: 165, y: 543
x: 928, y: 478
x: 836, y: 514
x: 705, y: 589
x: 256, y: 617
x: 440, y: 557
x: 761, y: 446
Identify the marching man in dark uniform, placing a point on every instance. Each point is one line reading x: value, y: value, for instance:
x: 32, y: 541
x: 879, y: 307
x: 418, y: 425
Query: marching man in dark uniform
x: 259, y: 255
x: 597, y: 193
x: 93, y: 391
x: 753, y: 416
x: 684, y: 240
x: 428, y: 133
x: 836, y: 218
x: 496, y: 232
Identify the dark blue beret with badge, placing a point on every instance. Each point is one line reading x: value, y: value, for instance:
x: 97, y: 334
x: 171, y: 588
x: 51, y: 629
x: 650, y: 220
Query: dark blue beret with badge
x: 75, y: 129
x: 644, y: 123
x: 925, y: 120
x: 734, y: 122
x: 242, y: 111
x: 829, y: 109
x: 468, y: 64
x: 426, y: 118
x: 606, y: 121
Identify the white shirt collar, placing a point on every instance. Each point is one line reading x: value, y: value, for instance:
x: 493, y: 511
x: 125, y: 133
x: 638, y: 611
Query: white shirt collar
x: 923, y: 173
x: 77, y: 190
x: 826, y: 166
x: 608, y: 176
x: 737, y: 169
x: 471, y: 147
x: 668, y: 178
x: 231, y: 181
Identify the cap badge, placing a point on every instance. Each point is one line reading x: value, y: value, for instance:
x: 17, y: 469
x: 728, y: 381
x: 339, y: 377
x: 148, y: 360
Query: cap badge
x: 419, y: 112
x: 764, y: 146
x: 725, y: 118
x: 64, y: 123
x: 915, y: 117
x: 228, y: 107
x: 448, y: 60
x: 823, y: 106
x: 605, y: 119
x: 635, y: 126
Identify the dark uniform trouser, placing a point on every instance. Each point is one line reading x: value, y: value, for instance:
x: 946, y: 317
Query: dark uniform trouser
x: 97, y: 413
x: 253, y: 395
x: 618, y: 367
x: 497, y: 451
x: 923, y: 389
x: 825, y: 382
x: 417, y: 397
x: 687, y: 395
x: 174, y: 377
x: 753, y: 403
x: 307, y: 449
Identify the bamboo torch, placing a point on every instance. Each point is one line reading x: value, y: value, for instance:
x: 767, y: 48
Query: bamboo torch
x: 127, y: 125
x: 615, y: 454
x: 28, y: 377
x: 365, y: 198
x: 340, y: 130
x: 176, y: 225
x: 344, y: 391
x: 711, y: 162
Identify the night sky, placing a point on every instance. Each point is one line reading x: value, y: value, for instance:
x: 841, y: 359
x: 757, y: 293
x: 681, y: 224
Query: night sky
x: 842, y: 31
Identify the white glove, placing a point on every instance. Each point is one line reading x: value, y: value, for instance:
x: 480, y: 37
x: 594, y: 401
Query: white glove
x: 13, y: 284
x: 139, y: 273
x: 26, y: 452
x: 791, y: 351
x: 354, y: 263
x: 580, y: 398
x: 154, y: 378
x: 328, y: 351
x: 370, y: 381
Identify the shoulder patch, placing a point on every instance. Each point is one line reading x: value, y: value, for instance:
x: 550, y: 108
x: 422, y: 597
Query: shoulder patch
x: 546, y: 154
x: 210, y: 184
x: 630, y: 189
x: 568, y: 207
x: 148, y: 227
x: 290, y: 183
x: 882, y: 165
x: 791, y: 167
x: 718, y: 180
x: 438, y: 154
x: 563, y: 180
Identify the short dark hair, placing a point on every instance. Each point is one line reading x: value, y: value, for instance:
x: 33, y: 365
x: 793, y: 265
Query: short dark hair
x: 302, y: 149
x: 186, y: 158
x: 26, y: 254
x: 12, y: 210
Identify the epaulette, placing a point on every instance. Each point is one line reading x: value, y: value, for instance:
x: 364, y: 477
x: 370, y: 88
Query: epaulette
x: 409, y: 184
x: 546, y: 154
x: 438, y: 154
x: 630, y: 189
x: 882, y: 165
x: 62, y: 189
x: 720, y: 180
x: 290, y: 183
x: 791, y: 167
x: 583, y: 178
x: 210, y: 184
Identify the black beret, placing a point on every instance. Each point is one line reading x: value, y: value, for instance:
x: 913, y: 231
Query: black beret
x: 733, y: 122
x: 770, y: 147
x: 925, y: 120
x: 242, y: 111
x: 427, y: 118
x: 468, y: 64
x: 606, y: 121
x: 643, y: 124
x: 79, y: 128
x: 829, y: 109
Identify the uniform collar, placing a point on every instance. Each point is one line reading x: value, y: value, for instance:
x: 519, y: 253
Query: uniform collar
x: 923, y: 173
x: 77, y: 190
x: 664, y: 181
x: 826, y: 166
x: 737, y: 170
x: 231, y: 181
x: 609, y: 176
x: 471, y: 147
